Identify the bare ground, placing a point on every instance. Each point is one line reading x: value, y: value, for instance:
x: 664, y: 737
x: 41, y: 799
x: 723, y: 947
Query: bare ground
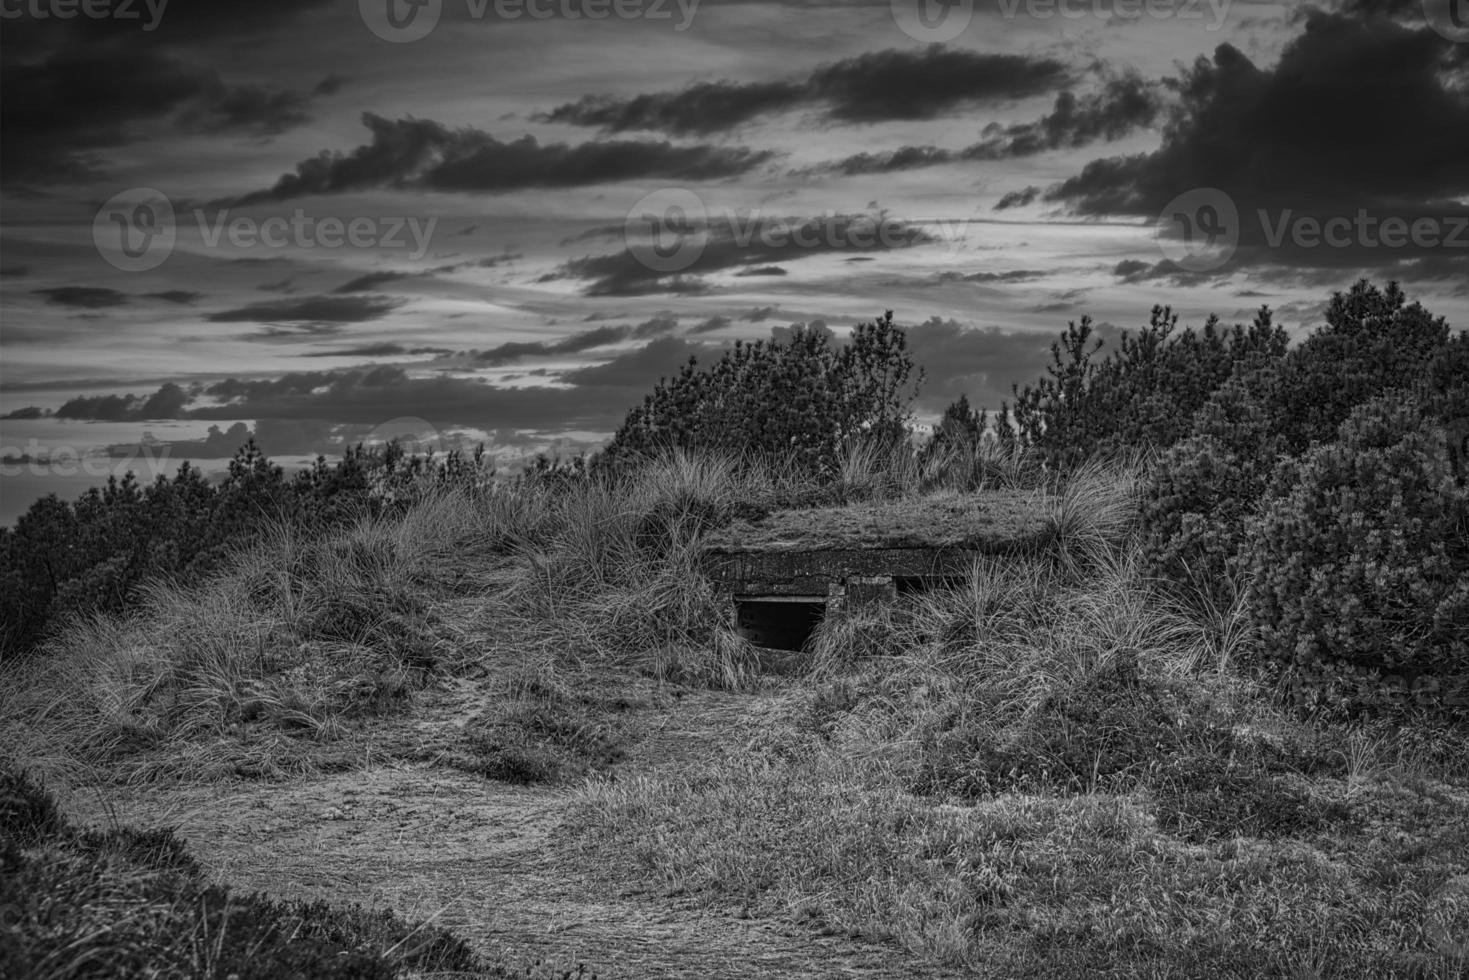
x: 484, y: 858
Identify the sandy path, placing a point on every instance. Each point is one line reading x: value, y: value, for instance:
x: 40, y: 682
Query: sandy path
x: 484, y: 859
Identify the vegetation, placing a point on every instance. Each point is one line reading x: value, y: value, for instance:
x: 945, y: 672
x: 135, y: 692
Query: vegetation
x: 1209, y: 722
x: 1053, y: 769
x: 1271, y: 485
x: 96, y: 554
x: 802, y: 399
x: 121, y: 904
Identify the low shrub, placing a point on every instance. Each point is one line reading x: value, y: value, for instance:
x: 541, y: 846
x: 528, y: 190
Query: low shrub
x: 1360, y: 563
x: 1208, y: 797
x: 543, y: 731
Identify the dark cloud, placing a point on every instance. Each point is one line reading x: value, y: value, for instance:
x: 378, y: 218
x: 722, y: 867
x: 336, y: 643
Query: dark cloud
x: 366, y: 350
x: 61, y: 110
x: 712, y: 324
x: 512, y: 351
x: 28, y: 413
x: 311, y: 309
x: 372, y: 280
x: 655, y: 326
x: 707, y: 107
x: 426, y: 154
x: 874, y: 87
x: 1018, y: 199
x: 180, y: 296
x: 168, y: 402
x: 178, y: 23
x: 758, y: 314
x: 743, y: 244
x: 640, y: 368
x: 924, y: 84
x: 764, y: 270
x: 86, y: 297
x: 1010, y: 275
x: 1306, y: 140
x: 891, y: 161
x: 1124, y: 104
x: 1130, y: 268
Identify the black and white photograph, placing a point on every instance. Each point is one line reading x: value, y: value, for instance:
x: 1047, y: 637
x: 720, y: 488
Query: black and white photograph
x: 734, y: 489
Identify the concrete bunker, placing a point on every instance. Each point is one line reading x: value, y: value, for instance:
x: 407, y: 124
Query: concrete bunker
x: 781, y: 574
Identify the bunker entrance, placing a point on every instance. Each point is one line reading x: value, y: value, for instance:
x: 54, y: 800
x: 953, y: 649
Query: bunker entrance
x: 779, y: 622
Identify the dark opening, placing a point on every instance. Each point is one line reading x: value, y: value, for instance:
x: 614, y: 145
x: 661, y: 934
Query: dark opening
x: 778, y: 622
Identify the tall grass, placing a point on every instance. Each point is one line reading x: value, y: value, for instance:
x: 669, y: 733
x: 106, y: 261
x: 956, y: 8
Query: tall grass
x: 614, y: 576
x: 1054, y: 769
x: 296, y: 638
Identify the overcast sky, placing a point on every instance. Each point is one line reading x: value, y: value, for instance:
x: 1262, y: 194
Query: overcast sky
x: 509, y: 218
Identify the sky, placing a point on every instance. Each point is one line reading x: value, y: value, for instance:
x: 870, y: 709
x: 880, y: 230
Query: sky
x: 502, y: 221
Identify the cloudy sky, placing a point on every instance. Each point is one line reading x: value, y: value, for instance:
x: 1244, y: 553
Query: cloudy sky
x: 314, y: 219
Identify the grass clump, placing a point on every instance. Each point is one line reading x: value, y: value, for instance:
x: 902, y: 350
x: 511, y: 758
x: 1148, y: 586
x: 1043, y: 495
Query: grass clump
x: 297, y: 643
x: 543, y: 729
x: 1022, y: 885
x: 126, y: 904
